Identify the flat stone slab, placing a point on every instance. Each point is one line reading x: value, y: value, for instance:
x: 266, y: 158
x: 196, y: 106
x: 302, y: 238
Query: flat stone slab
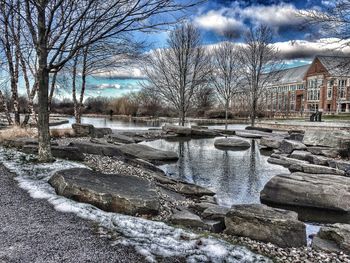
x: 271, y: 142
x: 321, y: 191
x: 250, y: 134
x: 285, y: 161
x: 190, y: 132
x: 110, y: 192
x: 119, y: 138
x: 325, y: 151
x: 21, y: 142
x: 232, y: 143
x: 334, y: 238
x: 133, y: 150
x: 266, y: 224
x: 300, y: 155
x: 336, y: 139
x: 148, y: 153
x: 288, y: 146
x: 315, y: 169
x: 189, y: 219
x: 62, y: 152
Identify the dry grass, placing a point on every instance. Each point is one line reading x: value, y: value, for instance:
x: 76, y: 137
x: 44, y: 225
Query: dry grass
x: 17, y: 132
x: 62, y: 133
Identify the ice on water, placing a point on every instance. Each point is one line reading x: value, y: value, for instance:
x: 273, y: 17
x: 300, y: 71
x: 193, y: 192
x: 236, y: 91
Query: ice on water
x: 151, y: 239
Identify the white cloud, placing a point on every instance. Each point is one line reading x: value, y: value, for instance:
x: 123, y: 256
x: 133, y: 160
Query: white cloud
x: 273, y: 15
x: 219, y: 22
x: 130, y: 72
x: 232, y: 19
x: 309, y: 49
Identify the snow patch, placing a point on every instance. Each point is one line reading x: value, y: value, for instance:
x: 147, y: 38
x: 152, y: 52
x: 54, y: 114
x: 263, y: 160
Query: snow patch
x: 151, y: 239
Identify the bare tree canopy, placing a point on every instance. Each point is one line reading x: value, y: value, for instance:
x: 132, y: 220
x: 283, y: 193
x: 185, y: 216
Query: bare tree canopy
x: 178, y: 71
x: 334, y: 20
x: 59, y: 29
x: 259, y: 65
x: 224, y: 75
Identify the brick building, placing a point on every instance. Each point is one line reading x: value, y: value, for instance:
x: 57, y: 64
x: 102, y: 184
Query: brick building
x: 323, y: 85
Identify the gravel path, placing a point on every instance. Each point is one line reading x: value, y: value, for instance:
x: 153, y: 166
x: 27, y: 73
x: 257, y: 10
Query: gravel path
x: 32, y: 231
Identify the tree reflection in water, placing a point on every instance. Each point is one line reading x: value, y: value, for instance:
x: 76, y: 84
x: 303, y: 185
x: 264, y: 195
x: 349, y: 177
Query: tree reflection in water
x: 236, y: 176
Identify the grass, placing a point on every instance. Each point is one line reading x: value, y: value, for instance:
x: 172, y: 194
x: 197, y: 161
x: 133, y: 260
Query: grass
x: 17, y: 132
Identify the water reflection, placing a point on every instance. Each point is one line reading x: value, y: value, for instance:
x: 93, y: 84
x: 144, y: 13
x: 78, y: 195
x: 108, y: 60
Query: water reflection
x: 236, y: 176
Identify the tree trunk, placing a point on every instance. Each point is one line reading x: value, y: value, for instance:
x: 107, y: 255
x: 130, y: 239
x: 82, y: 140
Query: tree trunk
x: 4, y: 105
x: 226, y: 114
x: 253, y: 113
x: 45, y: 154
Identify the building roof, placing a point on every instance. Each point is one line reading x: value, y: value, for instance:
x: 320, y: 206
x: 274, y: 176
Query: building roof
x: 293, y: 75
x: 290, y: 75
x: 336, y: 65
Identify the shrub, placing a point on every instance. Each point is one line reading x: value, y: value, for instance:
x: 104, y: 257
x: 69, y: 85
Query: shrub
x: 17, y: 132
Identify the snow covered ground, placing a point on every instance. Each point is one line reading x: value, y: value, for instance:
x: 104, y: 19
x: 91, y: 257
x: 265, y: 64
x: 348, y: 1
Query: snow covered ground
x: 151, y: 239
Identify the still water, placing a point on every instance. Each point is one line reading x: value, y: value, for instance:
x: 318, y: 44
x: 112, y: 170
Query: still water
x: 236, y: 176
x: 118, y: 124
x: 113, y: 123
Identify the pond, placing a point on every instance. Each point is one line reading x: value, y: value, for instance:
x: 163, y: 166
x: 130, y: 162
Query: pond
x: 236, y: 176
x: 113, y: 123
x: 123, y: 124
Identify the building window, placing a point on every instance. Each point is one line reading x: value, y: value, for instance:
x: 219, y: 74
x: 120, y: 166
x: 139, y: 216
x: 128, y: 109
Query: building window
x: 330, y: 89
x: 341, y: 88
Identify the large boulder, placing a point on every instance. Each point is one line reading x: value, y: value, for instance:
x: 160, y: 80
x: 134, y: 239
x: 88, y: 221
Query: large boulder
x: 19, y: 143
x: 300, y: 155
x: 315, y: 169
x: 83, y: 130
x: 333, y: 238
x: 325, y: 151
x: 251, y: 134
x: 318, y: 159
x: 271, y: 142
x: 148, y: 153
x: 189, y: 132
x: 101, y: 132
x: 179, y: 130
x: 253, y: 128
x: 266, y: 224
x: 335, y: 139
x: 134, y: 150
x: 101, y: 148
x: 110, y: 192
x: 288, y: 146
x: 188, y: 219
x: 232, y: 143
x: 321, y: 191
x: 285, y: 161
x: 119, y: 138
x: 62, y: 152
x: 340, y: 164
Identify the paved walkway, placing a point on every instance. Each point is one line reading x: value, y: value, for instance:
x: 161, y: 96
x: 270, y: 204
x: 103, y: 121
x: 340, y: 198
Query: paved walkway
x: 32, y: 231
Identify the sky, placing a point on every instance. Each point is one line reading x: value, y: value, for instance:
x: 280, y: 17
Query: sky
x: 216, y: 18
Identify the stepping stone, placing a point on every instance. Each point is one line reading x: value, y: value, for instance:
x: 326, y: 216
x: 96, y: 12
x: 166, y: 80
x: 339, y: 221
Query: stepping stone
x: 124, y: 194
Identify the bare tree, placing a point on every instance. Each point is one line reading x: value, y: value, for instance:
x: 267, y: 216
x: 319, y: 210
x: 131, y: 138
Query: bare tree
x: 58, y: 29
x: 259, y: 65
x: 10, y: 37
x: 225, y: 74
x: 178, y: 71
x: 99, y: 58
